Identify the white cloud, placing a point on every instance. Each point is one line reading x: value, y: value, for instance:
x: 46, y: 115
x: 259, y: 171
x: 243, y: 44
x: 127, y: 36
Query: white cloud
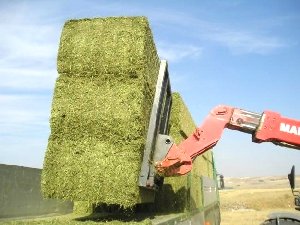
x: 23, y: 115
x: 28, y: 50
x: 28, y: 79
x: 177, y: 52
x: 240, y: 42
x: 238, y: 39
x: 23, y: 151
x: 20, y: 40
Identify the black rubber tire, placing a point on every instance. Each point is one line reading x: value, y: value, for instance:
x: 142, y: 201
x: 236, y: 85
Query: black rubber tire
x: 281, y: 221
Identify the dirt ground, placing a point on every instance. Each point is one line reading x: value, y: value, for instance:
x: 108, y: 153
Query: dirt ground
x: 249, y: 201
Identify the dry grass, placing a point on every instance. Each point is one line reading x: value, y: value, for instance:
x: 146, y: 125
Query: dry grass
x: 252, y: 206
x: 270, y: 182
x: 244, y: 217
x: 256, y: 199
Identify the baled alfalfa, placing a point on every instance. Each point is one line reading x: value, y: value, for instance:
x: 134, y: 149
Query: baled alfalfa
x: 100, y: 111
x: 202, y: 167
x: 184, y: 193
x: 173, y: 197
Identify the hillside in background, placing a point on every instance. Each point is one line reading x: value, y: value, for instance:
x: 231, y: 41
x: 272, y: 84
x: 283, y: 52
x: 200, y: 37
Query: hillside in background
x: 259, y: 182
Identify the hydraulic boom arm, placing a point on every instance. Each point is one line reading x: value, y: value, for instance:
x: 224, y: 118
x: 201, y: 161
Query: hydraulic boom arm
x: 266, y: 127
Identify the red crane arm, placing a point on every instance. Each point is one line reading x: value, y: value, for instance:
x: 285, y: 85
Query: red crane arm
x: 279, y: 130
x: 268, y: 126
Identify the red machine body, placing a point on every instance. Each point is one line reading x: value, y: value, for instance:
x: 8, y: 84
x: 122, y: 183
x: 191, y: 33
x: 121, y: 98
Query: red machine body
x: 266, y: 127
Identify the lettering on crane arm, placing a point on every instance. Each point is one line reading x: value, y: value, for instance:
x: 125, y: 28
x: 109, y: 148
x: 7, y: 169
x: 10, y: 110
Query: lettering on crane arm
x: 289, y: 129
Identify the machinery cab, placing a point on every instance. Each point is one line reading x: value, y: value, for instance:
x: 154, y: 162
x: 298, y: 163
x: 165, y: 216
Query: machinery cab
x: 292, y: 180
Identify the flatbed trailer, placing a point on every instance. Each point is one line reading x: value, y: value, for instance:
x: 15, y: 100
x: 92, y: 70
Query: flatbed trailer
x: 22, y: 203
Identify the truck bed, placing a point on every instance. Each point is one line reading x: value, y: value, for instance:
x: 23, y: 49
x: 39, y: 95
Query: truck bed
x: 187, y: 218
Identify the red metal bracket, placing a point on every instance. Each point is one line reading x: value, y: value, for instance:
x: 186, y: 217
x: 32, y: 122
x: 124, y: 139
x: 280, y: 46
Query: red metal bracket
x: 178, y: 160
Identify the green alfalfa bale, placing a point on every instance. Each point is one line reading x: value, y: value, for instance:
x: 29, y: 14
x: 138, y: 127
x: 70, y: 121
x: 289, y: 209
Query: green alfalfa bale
x: 83, y: 208
x: 100, y: 111
x: 185, y: 193
x: 181, y: 121
x: 201, y: 168
x: 173, y: 197
x: 113, y: 46
x: 211, y: 165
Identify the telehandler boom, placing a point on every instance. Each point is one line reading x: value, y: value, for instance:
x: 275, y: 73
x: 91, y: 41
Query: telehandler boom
x: 266, y: 127
x: 163, y: 158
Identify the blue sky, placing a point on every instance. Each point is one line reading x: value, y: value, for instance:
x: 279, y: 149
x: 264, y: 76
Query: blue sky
x: 239, y: 53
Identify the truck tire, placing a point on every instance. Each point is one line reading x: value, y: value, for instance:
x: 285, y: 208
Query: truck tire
x: 281, y: 221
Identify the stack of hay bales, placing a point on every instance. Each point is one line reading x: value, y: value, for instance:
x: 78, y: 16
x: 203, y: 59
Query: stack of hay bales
x: 203, y: 166
x: 83, y: 208
x: 184, y: 193
x: 100, y: 112
x: 174, y: 194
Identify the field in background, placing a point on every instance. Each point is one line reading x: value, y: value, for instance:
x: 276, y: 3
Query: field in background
x: 249, y: 200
